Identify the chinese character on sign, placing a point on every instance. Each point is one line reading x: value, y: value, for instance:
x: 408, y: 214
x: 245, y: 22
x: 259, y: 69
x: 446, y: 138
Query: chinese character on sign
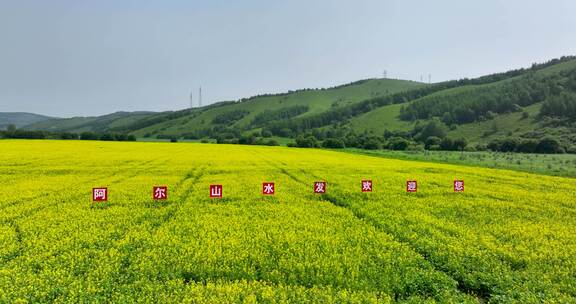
x: 160, y: 192
x: 99, y: 194
x: 366, y: 186
x: 215, y: 191
x: 268, y: 188
x: 320, y: 187
x: 458, y: 186
x: 411, y: 186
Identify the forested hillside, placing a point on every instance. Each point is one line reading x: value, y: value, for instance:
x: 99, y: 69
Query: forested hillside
x: 523, y: 110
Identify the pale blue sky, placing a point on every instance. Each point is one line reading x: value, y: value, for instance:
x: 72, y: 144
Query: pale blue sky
x: 68, y: 58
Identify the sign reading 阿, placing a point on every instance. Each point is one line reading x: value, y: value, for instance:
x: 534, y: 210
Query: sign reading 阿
x: 215, y: 191
x: 320, y: 187
x: 268, y: 188
x: 458, y: 186
x: 366, y: 186
x: 160, y: 192
x: 411, y: 186
x: 99, y: 194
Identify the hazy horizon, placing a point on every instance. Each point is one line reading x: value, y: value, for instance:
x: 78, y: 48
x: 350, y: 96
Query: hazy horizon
x: 70, y: 58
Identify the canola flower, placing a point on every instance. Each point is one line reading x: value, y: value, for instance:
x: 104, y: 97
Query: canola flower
x: 508, y: 238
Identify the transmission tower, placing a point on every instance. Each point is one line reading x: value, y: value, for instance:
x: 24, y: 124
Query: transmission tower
x: 200, y: 97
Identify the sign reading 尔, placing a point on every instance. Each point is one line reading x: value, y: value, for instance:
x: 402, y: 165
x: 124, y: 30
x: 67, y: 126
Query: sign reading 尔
x: 160, y: 192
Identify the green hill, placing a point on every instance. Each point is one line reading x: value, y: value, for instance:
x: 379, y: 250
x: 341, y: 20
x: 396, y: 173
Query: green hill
x: 240, y: 115
x: 482, y: 113
x: 525, y: 104
x: 231, y: 115
x: 92, y: 124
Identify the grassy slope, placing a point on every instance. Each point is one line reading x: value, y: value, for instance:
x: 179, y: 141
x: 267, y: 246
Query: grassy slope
x: 548, y: 164
x: 386, y: 117
x: 317, y: 100
x: 506, y: 124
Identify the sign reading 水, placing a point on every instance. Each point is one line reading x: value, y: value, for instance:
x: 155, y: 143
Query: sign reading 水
x: 99, y: 194
x: 320, y: 187
x: 160, y: 192
x: 215, y: 191
x: 268, y: 188
x: 411, y: 186
x: 458, y: 186
x: 366, y: 186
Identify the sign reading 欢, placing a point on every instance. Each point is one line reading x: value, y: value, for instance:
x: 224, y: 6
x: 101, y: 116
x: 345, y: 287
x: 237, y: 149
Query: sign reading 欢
x: 366, y: 186
x: 411, y: 186
x: 320, y: 187
x: 458, y: 186
x: 268, y: 188
x: 99, y: 194
x: 215, y: 191
x: 160, y: 192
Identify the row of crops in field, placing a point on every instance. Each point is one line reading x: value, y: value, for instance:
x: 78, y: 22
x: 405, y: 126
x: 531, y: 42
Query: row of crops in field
x: 511, y: 239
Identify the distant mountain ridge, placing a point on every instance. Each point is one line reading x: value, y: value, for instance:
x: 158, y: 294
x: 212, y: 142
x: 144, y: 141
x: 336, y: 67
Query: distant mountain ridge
x: 20, y: 119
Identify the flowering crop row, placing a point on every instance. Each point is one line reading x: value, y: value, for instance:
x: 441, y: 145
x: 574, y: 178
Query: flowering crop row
x: 509, y: 240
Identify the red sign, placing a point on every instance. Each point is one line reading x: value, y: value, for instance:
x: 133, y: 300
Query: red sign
x: 458, y: 186
x: 411, y: 186
x: 366, y: 186
x: 160, y: 192
x: 99, y: 194
x: 268, y: 188
x: 215, y: 191
x: 320, y: 187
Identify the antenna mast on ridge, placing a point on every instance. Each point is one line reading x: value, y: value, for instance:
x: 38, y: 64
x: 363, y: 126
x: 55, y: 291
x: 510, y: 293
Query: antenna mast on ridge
x: 200, y: 97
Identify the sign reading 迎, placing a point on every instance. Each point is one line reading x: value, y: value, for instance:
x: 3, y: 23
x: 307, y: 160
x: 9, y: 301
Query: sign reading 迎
x: 458, y: 186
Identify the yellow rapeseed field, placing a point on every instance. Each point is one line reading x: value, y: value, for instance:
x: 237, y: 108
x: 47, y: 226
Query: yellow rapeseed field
x: 510, y: 237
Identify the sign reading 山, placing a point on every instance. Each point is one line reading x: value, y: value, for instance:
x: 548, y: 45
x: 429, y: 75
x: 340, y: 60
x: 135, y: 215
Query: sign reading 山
x: 411, y: 186
x: 268, y: 188
x: 320, y: 187
x: 160, y: 192
x: 215, y: 191
x: 458, y: 186
x: 99, y: 194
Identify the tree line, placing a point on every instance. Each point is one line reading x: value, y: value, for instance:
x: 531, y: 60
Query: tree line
x: 13, y: 133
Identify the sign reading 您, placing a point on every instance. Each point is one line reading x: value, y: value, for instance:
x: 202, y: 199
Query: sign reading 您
x: 160, y: 192
x: 215, y: 191
x: 366, y: 186
x: 99, y: 194
x: 411, y: 186
x: 458, y: 186
x: 268, y: 188
x: 320, y: 187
